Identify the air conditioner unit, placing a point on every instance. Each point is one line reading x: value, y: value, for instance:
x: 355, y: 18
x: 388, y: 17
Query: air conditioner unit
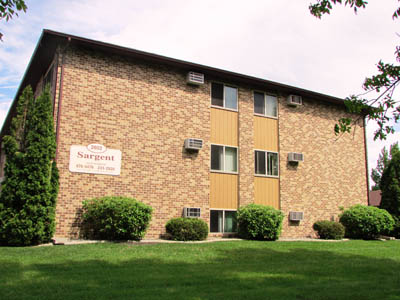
x: 294, y: 100
x: 191, y: 212
x: 295, y: 157
x: 193, y: 144
x: 296, y: 215
x: 195, y: 78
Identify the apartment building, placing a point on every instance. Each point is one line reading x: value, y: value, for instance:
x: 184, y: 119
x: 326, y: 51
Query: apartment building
x: 191, y: 140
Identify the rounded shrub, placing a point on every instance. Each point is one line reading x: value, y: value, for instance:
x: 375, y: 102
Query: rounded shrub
x: 115, y: 218
x: 366, y: 222
x: 187, y: 229
x: 329, y: 230
x: 259, y: 222
x: 396, y: 228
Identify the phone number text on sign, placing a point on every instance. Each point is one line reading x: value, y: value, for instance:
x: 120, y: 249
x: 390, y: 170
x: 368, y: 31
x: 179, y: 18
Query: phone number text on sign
x: 95, y: 159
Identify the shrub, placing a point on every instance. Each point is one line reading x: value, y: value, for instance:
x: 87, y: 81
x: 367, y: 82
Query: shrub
x: 396, y: 228
x: 329, y: 230
x: 30, y: 186
x: 390, y: 186
x: 366, y: 222
x: 259, y: 222
x: 115, y: 218
x: 187, y: 229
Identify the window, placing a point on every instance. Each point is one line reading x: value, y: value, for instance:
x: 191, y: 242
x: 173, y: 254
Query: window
x: 224, y: 158
x: 265, y: 105
x: 266, y: 163
x: 223, y: 221
x: 223, y: 96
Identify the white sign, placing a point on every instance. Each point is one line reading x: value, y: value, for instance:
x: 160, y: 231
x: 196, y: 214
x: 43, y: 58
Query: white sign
x: 95, y: 159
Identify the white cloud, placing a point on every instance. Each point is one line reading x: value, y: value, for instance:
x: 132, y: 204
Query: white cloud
x: 275, y: 40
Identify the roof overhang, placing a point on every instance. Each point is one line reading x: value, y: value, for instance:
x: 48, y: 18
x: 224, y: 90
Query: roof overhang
x: 50, y: 40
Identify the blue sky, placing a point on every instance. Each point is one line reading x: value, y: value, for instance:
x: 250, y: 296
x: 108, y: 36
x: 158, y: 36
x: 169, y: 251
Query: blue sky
x: 273, y: 39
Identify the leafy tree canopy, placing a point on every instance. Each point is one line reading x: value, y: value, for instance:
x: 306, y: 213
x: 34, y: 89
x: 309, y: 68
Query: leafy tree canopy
x: 390, y: 186
x: 383, y: 161
x: 383, y: 108
x: 10, y: 8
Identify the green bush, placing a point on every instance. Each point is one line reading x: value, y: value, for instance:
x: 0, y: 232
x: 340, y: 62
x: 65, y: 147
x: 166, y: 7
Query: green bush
x: 396, y: 228
x: 187, y: 229
x: 29, y: 190
x: 259, y: 222
x: 390, y: 186
x: 329, y: 230
x: 115, y: 218
x: 366, y: 222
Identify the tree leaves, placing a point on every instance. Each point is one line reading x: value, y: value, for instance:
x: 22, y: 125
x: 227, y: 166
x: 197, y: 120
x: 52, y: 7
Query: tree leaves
x: 384, y: 108
x: 325, y: 6
x: 9, y: 8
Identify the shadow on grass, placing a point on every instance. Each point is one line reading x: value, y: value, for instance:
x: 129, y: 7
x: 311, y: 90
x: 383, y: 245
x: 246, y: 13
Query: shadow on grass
x: 201, y: 273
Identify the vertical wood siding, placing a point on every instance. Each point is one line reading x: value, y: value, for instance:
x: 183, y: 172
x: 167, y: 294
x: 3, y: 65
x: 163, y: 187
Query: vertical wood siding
x: 265, y: 133
x: 223, y: 190
x: 266, y: 191
x: 224, y: 127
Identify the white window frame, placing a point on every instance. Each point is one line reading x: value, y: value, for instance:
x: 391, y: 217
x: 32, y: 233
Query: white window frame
x: 223, y: 96
x: 265, y: 105
x: 266, y: 163
x: 237, y: 159
x: 223, y: 220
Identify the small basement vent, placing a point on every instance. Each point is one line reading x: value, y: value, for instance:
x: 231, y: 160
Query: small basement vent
x: 195, y: 78
x: 295, y: 157
x: 296, y: 215
x: 193, y: 144
x: 191, y: 212
x: 294, y: 100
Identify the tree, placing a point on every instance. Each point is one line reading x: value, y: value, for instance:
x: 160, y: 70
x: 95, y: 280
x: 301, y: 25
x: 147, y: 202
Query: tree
x: 383, y: 161
x: 390, y: 186
x: 9, y: 8
x: 30, y: 187
x: 382, y: 108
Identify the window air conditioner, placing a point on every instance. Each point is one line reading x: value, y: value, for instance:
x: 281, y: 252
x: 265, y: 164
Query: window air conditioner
x: 294, y: 100
x: 295, y: 157
x: 193, y: 144
x: 191, y: 212
x: 296, y: 215
x: 195, y: 78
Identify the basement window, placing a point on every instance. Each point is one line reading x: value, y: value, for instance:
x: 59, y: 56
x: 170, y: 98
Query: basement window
x: 223, y: 221
x: 266, y: 163
x: 224, y: 96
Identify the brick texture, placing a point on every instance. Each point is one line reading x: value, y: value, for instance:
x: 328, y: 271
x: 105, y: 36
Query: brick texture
x: 333, y: 173
x: 147, y: 111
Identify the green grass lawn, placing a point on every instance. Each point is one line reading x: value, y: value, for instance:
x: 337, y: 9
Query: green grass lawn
x: 225, y: 270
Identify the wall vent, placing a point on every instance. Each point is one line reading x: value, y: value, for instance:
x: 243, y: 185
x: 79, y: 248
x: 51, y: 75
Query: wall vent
x: 195, y: 78
x: 294, y: 100
x: 295, y: 157
x: 193, y: 144
x: 296, y: 215
x: 191, y: 212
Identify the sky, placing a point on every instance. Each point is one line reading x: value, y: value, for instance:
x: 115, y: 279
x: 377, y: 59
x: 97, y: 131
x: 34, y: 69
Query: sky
x: 277, y: 40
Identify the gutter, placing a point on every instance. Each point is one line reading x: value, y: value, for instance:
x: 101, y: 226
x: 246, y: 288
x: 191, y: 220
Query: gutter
x: 60, y: 96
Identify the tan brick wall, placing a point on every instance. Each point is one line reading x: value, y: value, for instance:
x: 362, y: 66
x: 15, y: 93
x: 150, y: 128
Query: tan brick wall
x: 333, y: 172
x: 146, y: 112
x: 246, y: 147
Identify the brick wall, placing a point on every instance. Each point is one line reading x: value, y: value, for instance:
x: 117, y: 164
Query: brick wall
x: 147, y: 111
x: 333, y: 173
